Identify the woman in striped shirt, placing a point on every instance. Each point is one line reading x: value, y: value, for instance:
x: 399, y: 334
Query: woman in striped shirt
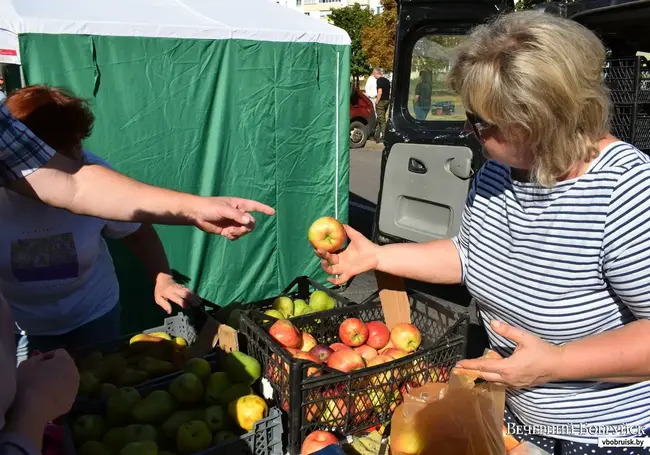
x: 555, y: 240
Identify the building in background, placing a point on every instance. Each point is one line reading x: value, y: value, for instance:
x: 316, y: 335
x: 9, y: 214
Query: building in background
x: 321, y: 9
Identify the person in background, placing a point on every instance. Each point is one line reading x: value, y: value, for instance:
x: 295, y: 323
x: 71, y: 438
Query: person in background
x: 371, y: 88
x: 383, y: 100
x: 55, y: 268
x: 554, y: 244
x: 422, y: 102
x: 44, y: 386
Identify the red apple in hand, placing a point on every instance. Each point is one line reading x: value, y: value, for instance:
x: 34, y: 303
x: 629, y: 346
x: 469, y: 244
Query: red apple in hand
x: 308, y: 342
x: 353, y: 332
x: 316, y: 441
x: 378, y: 334
x: 286, y: 334
x: 366, y: 352
x: 322, y: 352
x: 340, y: 347
x: 406, y: 336
x: 346, y: 361
x: 327, y: 234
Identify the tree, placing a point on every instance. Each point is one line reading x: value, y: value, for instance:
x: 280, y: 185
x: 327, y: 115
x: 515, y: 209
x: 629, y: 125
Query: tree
x: 353, y: 19
x: 528, y: 4
x: 378, y: 38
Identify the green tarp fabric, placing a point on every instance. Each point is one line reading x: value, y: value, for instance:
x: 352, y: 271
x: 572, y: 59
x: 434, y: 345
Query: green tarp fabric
x: 231, y: 117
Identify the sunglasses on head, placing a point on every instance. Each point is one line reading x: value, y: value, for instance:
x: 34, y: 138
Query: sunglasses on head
x: 478, y: 124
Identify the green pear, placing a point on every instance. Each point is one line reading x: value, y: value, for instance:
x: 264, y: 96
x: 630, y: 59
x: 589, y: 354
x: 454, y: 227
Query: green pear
x: 284, y: 305
x: 235, y: 391
x: 107, y: 389
x: 299, y: 307
x: 154, y: 408
x: 115, y: 364
x: 223, y: 436
x: 200, y: 367
x: 88, y: 383
x: 130, y: 377
x: 274, y: 314
x: 170, y: 427
x: 120, y: 404
x: 140, y: 448
x: 217, y: 418
x: 94, y: 448
x: 215, y: 386
x: 187, y: 388
x: 115, y: 438
x: 331, y: 303
x: 88, y: 428
x: 193, y: 437
x: 319, y: 301
x: 242, y: 368
x: 154, y: 367
x: 137, y: 432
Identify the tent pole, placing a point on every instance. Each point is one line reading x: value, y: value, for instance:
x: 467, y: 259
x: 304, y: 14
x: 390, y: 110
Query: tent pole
x: 337, y: 140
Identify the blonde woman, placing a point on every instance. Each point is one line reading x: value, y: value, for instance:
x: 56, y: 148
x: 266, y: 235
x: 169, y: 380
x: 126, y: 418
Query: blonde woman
x: 555, y: 240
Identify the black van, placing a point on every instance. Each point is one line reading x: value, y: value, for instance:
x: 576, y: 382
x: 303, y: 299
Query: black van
x: 427, y: 165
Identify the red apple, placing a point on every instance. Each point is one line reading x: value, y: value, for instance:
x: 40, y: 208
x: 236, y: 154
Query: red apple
x: 327, y: 234
x: 308, y: 342
x: 353, y: 332
x: 286, y: 334
x: 406, y: 336
x: 316, y: 441
x: 322, y: 352
x: 340, y: 347
x: 385, y: 348
x: 366, y: 352
x: 332, y: 411
x: 395, y: 353
x: 312, y: 371
x: 378, y: 334
x: 345, y: 361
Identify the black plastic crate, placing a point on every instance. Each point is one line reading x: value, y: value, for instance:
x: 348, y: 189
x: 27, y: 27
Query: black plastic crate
x: 631, y: 123
x: 628, y: 79
x: 264, y: 439
x: 300, y: 288
x: 351, y: 403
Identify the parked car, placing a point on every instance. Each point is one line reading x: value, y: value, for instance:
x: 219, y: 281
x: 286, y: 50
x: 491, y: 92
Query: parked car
x: 362, y: 118
x: 443, y: 108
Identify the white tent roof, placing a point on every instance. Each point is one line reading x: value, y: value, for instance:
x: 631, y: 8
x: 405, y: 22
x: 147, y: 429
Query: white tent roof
x: 259, y: 20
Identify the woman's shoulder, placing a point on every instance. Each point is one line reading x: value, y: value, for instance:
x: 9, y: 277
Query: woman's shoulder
x: 620, y: 157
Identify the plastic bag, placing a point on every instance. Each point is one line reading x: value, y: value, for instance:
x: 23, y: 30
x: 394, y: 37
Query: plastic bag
x: 459, y: 418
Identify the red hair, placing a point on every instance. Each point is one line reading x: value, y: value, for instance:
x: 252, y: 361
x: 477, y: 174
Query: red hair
x: 59, y: 119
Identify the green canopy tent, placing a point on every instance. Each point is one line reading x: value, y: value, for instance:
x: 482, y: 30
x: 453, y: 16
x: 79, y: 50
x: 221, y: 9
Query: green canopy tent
x: 212, y: 97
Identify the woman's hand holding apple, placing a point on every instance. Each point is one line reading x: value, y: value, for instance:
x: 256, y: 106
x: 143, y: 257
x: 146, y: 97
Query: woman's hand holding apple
x: 361, y: 255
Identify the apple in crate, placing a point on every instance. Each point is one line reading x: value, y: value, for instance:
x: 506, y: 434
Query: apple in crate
x: 286, y: 334
x: 316, y: 441
x: 312, y: 371
x: 346, y: 361
x: 406, y: 336
x: 321, y: 352
x: 353, y: 332
x: 327, y: 234
x: 366, y: 352
x: 340, y: 347
x: 308, y: 342
x: 378, y: 334
x: 395, y: 353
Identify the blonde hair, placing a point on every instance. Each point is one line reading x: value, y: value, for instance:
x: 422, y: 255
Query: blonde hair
x: 538, y: 78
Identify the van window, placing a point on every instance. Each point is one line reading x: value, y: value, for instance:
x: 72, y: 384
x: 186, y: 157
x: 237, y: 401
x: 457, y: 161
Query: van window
x: 429, y: 97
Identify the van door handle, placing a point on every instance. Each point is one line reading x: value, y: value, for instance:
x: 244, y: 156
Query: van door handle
x: 416, y: 166
x: 460, y: 167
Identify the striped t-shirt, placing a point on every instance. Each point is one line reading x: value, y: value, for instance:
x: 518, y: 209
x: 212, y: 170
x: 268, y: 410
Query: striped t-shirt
x: 564, y: 263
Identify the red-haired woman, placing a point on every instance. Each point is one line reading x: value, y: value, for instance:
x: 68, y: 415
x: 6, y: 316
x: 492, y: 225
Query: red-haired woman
x: 55, y: 268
